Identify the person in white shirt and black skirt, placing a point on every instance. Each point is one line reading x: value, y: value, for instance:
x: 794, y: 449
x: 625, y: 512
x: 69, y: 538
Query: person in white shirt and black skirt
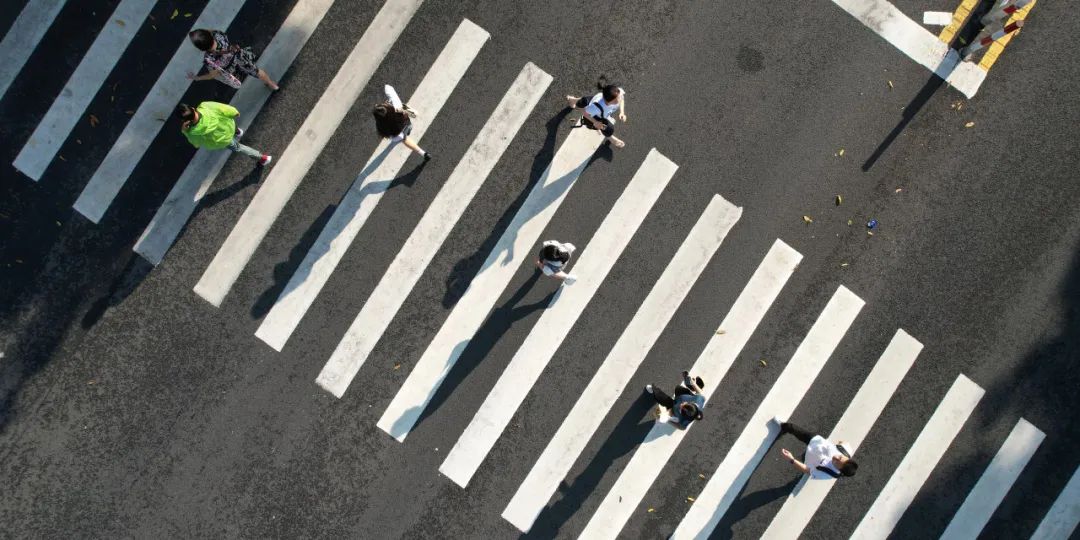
x: 599, y: 111
x: 393, y: 120
x: 823, y: 458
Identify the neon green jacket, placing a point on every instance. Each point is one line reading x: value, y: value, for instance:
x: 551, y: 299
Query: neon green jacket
x: 216, y: 127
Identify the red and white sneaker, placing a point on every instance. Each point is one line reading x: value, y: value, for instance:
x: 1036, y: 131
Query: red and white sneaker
x: 265, y: 159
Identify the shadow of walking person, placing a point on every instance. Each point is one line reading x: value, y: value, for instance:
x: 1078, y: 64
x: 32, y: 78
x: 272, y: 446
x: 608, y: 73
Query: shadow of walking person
x: 474, y: 350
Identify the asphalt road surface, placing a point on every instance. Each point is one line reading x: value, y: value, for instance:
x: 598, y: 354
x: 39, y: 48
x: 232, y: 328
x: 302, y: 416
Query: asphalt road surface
x: 132, y: 407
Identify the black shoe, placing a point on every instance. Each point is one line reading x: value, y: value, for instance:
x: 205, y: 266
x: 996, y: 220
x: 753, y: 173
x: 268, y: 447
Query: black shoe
x: 427, y: 157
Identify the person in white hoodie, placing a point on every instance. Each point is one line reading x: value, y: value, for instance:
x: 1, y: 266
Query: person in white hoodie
x: 553, y: 258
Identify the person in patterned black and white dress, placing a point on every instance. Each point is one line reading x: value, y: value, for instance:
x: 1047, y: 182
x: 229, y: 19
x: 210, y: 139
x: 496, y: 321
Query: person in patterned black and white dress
x: 226, y: 62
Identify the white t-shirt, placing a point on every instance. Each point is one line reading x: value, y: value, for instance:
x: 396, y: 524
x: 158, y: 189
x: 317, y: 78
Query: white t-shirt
x: 819, y: 453
x: 598, y: 107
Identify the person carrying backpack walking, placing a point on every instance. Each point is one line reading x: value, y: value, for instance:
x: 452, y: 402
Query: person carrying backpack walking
x: 687, y: 404
x: 553, y: 258
x: 599, y: 111
x: 212, y: 126
x: 393, y: 120
x: 823, y: 457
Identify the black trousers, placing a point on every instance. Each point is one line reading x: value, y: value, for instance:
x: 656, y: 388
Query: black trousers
x: 666, y: 400
x: 800, y: 433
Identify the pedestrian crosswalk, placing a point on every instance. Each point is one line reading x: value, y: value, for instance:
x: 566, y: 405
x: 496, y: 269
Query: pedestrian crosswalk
x: 511, y: 256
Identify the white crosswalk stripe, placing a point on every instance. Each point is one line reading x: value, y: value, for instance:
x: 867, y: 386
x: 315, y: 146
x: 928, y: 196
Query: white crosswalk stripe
x: 433, y: 228
x: 158, y: 105
x: 80, y: 89
x: 1063, y: 517
x: 309, y: 141
x: 920, y: 460
x: 995, y: 482
x: 748, y: 450
x: 534, y: 354
x: 204, y: 167
x: 622, y: 361
x: 471, y: 310
x: 367, y: 190
x: 25, y: 33
x: 852, y: 428
x: 734, y: 331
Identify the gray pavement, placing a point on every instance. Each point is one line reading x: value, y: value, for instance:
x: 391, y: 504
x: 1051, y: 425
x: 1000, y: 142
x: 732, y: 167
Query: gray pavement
x: 130, y: 407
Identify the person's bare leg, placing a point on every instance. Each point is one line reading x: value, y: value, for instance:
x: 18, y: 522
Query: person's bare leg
x: 411, y: 145
x: 616, y: 141
x: 267, y: 80
x: 571, y: 101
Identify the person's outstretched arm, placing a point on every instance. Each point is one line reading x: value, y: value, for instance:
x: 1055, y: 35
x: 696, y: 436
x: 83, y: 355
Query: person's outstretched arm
x: 796, y: 463
x: 391, y: 95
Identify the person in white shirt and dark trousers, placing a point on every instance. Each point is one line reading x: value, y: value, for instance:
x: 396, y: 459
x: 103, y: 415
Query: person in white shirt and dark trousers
x: 823, y: 457
x: 553, y: 258
x: 599, y: 111
x: 393, y: 120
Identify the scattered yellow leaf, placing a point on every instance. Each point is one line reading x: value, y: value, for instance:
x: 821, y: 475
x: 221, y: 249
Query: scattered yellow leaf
x: 701, y: 476
x: 843, y: 265
x: 187, y: 15
x: 721, y: 332
x: 690, y: 499
x: 869, y: 233
x: 839, y: 200
x: 18, y: 261
x: 890, y: 84
x: 397, y: 367
x: 57, y: 223
x: 651, y: 510
x: 129, y: 113
x: 61, y: 157
x: 763, y: 362
x: 91, y: 381
x: 94, y: 121
x: 969, y: 124
x: 807, y: 219
x: 121, y: 23
x: 175, y: 12
x: 841, y: 151
x: 898, y: 190
x: 154, y: 27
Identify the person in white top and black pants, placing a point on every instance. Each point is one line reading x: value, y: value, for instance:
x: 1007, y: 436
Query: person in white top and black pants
x: 823, y: 458
x: 599, y: 111
x: 553, y: 258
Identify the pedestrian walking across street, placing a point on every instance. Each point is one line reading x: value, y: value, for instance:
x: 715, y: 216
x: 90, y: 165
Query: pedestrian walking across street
x: 598, y: 112
x: 687, y: 404
x: 553, y: 258
x: 823, y: 457
x: 393, y: 120
x: 226, y: 62
x: 212, y: 126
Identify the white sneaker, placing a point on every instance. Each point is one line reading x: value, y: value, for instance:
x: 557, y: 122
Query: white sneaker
x: 266, y: 159
x: 570, y: 279
x: 648, y: 389
x: 777, y: 420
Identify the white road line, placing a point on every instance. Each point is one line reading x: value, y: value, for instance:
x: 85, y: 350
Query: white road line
x: 81, y: 87
x: 520, y: 237
x: 920, y: 460
x: 621, y: 362
x: 433, y: 228
x: 23, y: 37
x: 936, y: 18
x: 555, y: 323
x: 734, y: 331
x: 204, y: 167
x: 852, y: 428
x: 293, y: 164
x: 368, y: 189
x: 916, y: 42
x: 152, y: 113
x: 1062, y: 518
x: 995, y: 482
x: 748, y: 450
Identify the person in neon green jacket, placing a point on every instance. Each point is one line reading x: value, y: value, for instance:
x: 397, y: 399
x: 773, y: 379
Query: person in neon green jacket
x: 212, y: 126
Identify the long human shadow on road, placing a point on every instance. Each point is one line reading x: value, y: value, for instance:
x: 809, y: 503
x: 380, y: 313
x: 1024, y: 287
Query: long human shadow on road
x: 317, y: 240
x: 464, y: 270
x: 472, y: 351
x: 936, y: 81
x: 746, y: 503
x: 629, y: 432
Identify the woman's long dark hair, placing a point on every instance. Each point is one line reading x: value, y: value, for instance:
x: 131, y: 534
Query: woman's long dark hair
x: 388, y: 121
